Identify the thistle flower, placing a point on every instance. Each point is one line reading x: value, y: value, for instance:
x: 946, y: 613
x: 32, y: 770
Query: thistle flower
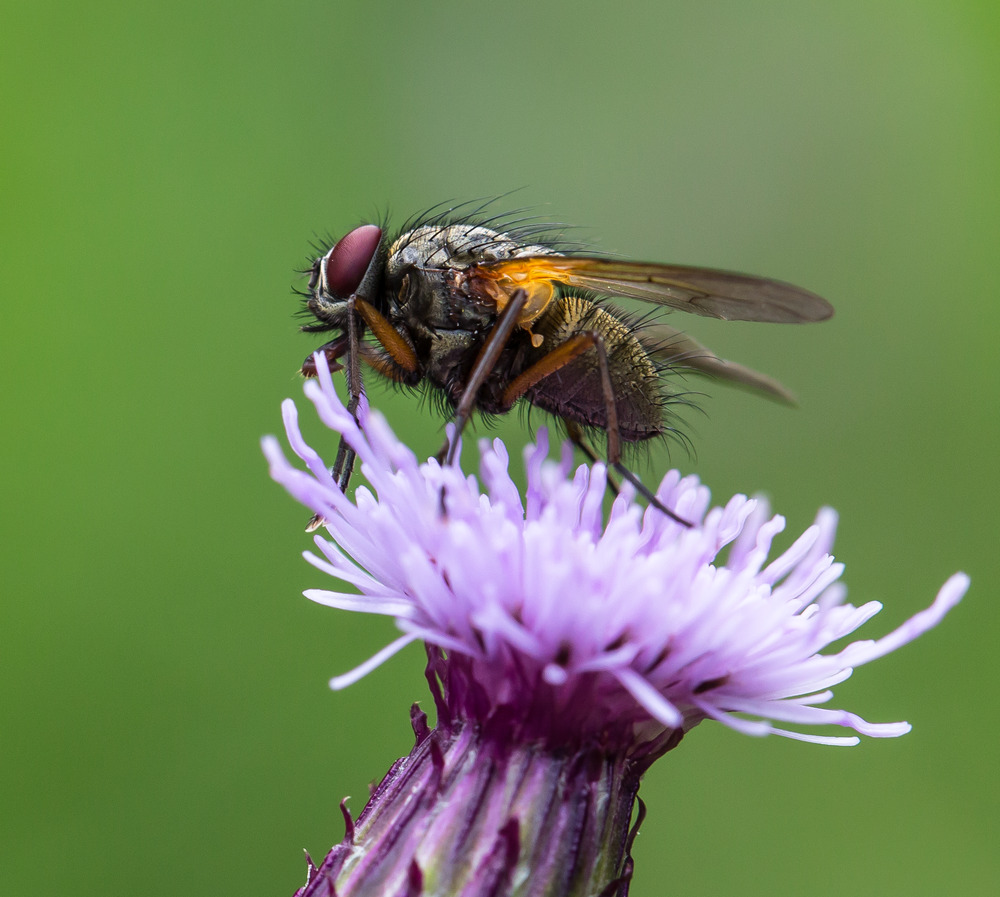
x: 566, y: 652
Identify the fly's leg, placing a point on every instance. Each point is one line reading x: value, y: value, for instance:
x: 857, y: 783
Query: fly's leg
x: 575, y: 434
x: 398, y: 350
x: 343, y: 464
x: 485, y: 363
x: 558, y: 358
x: 398, y: 361
x: 346, y: 344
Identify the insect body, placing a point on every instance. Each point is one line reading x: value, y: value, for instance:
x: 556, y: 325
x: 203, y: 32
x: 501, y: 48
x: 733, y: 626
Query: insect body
x: 487, y: 319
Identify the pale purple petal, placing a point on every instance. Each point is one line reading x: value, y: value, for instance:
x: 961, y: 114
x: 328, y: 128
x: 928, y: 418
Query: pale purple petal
x: 376, y: 660
x: 573, y: 625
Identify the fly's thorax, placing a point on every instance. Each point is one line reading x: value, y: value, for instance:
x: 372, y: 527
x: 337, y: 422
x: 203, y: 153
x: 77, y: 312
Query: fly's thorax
x: 455, y: 246
x: 425, y: 284
x: 427, y: 300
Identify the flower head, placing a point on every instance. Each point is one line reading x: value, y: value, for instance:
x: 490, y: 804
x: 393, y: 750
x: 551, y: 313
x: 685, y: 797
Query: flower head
x: 566, y: 628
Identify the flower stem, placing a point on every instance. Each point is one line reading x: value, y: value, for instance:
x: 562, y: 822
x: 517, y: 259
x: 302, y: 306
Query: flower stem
x: 480, y: 816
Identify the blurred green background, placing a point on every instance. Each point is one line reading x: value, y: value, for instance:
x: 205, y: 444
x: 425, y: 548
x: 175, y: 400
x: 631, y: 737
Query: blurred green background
x: 165, y: 726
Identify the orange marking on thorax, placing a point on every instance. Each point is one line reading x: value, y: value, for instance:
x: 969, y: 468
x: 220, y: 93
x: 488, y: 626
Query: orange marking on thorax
x: 536, y: 276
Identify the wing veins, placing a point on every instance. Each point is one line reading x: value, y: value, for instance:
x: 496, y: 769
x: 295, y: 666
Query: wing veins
x: 727, y: 295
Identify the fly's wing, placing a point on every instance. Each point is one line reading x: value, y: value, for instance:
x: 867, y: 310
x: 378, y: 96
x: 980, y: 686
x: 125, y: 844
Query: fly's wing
x: 700, y: 291
x: 669, y: 345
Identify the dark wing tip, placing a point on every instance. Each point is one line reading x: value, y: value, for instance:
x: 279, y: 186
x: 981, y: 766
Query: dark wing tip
x: 812, y: 307
x: 740, y: 297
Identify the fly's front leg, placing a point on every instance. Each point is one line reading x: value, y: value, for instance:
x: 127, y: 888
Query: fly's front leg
x: 343, y: 465
x: 398, y: 352
x: 397, y: 360
x: 333, y: 350
x: 346, y: 344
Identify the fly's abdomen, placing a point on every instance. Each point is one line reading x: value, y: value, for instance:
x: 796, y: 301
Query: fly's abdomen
x: 575, y: 391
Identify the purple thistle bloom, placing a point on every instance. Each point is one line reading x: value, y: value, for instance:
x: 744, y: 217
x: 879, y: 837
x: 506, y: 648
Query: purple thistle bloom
x: 554, y: 633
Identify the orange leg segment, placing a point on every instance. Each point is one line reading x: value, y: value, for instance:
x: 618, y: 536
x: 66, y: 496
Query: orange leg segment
x: 558, y: 358
x: 400, y: 350
x: 548, y: 364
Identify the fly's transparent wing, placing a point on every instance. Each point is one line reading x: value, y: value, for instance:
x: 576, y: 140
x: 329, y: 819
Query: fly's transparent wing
x: 669, y: 345
x: 700, y: 291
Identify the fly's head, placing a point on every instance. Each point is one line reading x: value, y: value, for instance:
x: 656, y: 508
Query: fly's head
x: 354, y: 266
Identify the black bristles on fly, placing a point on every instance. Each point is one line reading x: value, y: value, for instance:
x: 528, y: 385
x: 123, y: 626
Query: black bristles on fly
x: 515, y: 225
x: 441, y: 310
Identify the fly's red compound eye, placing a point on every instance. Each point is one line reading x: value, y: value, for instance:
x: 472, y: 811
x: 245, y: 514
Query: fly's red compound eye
x: 346, y: 263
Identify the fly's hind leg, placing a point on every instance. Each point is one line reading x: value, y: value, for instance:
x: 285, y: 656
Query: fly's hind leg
x: 574, y: 433
x: 558, y: 358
